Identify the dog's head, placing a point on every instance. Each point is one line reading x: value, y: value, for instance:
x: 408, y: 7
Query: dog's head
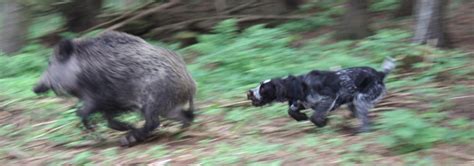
x: 264, y: 93
x: 277, y: 90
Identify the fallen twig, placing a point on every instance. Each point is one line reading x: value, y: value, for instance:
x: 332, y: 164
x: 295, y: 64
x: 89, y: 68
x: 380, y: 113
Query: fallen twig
x: 44, y: 123
x: 122, y: 16
x: 461, y: 97
x: 453, y: 154
x: 239, y: 103
x: 242, y: 103
x: 272, y: 17
x: 380, y: 109
x: 404, y: 75
x: 240, y: 18
x: 160, y: 162
x: 406, y: 88
x: 397, y: 102
x: 236, y: 104
x: 144, y: 13
x: 240, y: 7
x: 47, y: 132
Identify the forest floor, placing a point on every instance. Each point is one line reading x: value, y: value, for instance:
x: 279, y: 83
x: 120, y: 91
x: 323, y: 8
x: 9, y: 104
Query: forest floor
x: 213, y: 139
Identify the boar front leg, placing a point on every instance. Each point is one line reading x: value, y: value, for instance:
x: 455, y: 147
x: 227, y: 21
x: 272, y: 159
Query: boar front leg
x: 84, y: 113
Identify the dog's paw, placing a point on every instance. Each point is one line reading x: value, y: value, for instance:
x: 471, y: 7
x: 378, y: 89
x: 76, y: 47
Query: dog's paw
x: 362, y: 130
x: 298, y: 116
x: 320, y: 122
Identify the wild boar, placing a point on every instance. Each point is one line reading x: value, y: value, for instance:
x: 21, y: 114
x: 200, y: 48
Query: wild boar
x: 118, y: 72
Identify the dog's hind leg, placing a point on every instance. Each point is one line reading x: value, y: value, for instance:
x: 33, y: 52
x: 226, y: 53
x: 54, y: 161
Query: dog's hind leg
x: 363, y: 102
x: 362, y: 107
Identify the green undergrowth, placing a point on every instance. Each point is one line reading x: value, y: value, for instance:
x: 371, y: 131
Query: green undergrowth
x: 421, y: 131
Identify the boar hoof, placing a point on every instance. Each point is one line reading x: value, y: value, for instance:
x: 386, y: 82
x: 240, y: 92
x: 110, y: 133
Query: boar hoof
x: 128, y: 141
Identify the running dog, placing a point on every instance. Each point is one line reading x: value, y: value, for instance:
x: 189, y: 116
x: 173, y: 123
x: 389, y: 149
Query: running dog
x: 324, y: 91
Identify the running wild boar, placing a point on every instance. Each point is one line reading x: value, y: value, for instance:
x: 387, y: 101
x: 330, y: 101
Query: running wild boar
x: 117, y: 72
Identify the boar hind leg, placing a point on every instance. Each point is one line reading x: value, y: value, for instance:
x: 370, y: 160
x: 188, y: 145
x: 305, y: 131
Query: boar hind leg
x: 116, y: 124
x: 134, y: 136
x: 188, y: 114
x: 188, y: 118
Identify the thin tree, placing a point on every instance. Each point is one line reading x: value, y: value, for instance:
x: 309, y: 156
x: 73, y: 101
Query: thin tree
x: 14, y: 26
x: 355, y: 22
x: 430, y: 28
x: 80, y: 14
x: 405, y: 8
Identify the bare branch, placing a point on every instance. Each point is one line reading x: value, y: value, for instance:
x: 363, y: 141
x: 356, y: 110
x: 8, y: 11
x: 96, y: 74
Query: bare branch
x: 122, y: 16
x: 240, y: 18
x: 145, y: 13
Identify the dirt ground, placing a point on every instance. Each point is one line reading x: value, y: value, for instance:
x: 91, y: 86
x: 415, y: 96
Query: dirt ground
x: 209, y: 132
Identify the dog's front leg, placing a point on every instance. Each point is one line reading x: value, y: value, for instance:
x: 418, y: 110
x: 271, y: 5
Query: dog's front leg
x: 321, y: 110
x: 294, y: 111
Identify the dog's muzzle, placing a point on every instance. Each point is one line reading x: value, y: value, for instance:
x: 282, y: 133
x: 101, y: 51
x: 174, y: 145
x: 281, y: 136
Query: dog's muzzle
x: 255, y: 97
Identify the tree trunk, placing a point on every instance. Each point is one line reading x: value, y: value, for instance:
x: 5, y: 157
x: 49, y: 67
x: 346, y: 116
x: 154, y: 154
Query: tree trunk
x: 429, y: 27
x: 355, y: 22
x: 81, y: 14
x: 405, y: 8
x: 14, y: 30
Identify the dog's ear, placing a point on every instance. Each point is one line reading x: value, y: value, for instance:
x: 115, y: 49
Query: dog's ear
x: 295, y: 88
x: 280, y: 90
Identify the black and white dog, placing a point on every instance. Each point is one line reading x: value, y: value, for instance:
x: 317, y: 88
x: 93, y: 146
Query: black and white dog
x: 324, y: 91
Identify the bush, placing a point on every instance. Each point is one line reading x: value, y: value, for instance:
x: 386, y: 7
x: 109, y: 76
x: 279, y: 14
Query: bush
x: 24, y: 63
x: 406, y: 131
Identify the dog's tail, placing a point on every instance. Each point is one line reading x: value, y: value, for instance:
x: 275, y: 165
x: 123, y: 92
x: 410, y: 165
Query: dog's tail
x: 388, y: 65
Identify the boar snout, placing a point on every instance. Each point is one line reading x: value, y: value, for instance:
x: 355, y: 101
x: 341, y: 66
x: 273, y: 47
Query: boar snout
x: 40, y: 89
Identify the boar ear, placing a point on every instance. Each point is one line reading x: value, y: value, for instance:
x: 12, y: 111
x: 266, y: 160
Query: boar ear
x: 65, y: 48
